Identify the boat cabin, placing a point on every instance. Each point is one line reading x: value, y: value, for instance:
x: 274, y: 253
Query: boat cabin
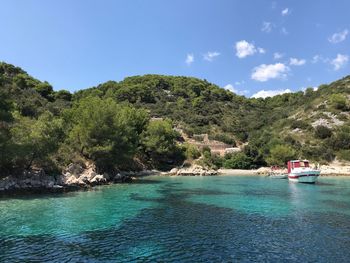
x: 297, y: 164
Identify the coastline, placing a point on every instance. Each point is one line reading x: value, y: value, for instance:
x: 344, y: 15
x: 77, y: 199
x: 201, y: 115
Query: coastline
x: 264, y: 171
x: 85, y: 179
x: 75, y: 178
x: 239, y: 172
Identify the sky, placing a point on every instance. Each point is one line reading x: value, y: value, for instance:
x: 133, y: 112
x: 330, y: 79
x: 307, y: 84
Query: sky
x: 255, y: 48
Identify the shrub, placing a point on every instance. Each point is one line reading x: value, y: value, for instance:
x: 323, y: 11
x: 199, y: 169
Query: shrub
x: 222, y: 137
x: 341, y: 140
x: 210, y: 160
x: 344, y: 155
x: 63, y: 95
x: 280, y: 154
x: 323, y: 132
x: 238, y: 161
x: 299, y: 124
x: 45, y: 90
x: 318, y: 153
x: 338, y: 101
x: 191, y: 151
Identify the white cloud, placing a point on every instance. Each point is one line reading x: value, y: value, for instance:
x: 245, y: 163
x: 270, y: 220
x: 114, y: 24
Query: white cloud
x: 244, y: 49
x: 277, y: 55
x: 209, y: 56
x: 189, y: 59
x: 316, y: 59
x: 284, y: 31
x: 230, y: 87
x: 261, y: 50
x: 270, y: 93
x: 239, y: 82
x: 297, y: 62
x: 267, y: 27
x: 285, y: 12
x: 319, y: 58
x: 272, y: 71
x: 338, y: 37
x: 340, y: 61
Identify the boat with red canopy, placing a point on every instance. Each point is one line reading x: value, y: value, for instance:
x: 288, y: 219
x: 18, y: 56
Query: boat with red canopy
x: 300, y: 171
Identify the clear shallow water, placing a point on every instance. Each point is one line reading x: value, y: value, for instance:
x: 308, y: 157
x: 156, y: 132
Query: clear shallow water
x: 182, y: 219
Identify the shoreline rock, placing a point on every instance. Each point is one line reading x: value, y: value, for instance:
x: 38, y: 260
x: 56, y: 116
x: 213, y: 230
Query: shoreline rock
x: 74, y: 177
x: 194, y: 170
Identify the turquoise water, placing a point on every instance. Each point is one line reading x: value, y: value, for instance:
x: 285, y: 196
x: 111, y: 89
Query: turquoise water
x: 182, y: 219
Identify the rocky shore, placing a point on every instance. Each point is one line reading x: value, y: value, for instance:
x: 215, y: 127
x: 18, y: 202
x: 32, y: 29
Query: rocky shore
x: 194, y: 170
x: 333, y: 169
x: 75, y: 177
x: 78, y: 177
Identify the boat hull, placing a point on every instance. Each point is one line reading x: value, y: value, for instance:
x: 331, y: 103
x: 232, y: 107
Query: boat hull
x: 278, y: 176
x: 304, y: 177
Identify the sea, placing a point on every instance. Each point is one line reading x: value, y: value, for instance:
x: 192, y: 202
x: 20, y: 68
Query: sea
x: 182, y: 219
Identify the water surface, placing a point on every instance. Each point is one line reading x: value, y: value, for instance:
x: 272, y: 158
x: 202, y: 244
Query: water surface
x: 182, y: 219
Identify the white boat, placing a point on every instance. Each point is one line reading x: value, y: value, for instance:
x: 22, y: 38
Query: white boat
x: 278, y: 176
x: 301, y: 172
x: 278, y: 173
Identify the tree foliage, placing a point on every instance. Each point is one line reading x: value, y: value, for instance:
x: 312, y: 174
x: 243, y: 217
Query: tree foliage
x: 280, y: 154
x: 110, y: 124
x: 159, y: 142
x: 104, y: 131
x: 323, y: 132
x: 238, y: 161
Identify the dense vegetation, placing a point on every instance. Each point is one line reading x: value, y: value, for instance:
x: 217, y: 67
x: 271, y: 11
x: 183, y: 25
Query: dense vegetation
x: 130, y: 124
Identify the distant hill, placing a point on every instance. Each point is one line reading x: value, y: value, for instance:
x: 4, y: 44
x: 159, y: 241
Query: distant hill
x: 296, y: 119
x: 313, y: 124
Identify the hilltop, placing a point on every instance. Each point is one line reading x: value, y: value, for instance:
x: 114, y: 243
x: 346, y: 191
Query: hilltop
x: 310, y: 124
x: 143, y: 122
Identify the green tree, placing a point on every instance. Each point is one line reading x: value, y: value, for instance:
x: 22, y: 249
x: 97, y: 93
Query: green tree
x: 104, y: 131
x: 63, y: 95
x: 238, y: 161
x: 5, y: 121
x: 33, y: 141
x: 45, y: 90
x: 159, y: 140
x: 280, y: 154
x: 191, y: 151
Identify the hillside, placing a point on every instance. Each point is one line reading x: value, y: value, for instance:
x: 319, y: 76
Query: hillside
x: 297, y: 120
x: 115, y: 121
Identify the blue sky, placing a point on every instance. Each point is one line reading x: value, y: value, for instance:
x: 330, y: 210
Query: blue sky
x: 251, y: 47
